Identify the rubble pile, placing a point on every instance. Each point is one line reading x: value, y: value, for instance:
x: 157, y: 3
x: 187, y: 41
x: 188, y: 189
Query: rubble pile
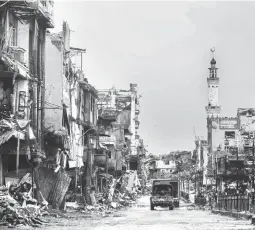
x: 115, y: 195
x: 120, y: 193
x: 19, y: 208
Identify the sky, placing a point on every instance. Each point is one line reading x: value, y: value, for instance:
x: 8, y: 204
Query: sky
x: 164, y: 47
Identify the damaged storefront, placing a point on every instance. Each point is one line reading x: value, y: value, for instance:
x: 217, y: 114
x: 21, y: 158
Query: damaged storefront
x: 15, y: 117
x: 20, y: 153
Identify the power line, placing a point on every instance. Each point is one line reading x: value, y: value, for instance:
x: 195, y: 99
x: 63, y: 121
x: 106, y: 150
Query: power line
x: 46, y: 103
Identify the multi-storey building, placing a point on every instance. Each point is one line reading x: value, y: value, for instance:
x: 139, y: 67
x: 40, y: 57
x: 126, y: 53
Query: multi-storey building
x: 23, y: 27
x: 123, y: 105
x: 72, y: 115
x: 228, y: 153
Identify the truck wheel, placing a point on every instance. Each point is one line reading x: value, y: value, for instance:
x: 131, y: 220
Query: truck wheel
x: 152, y: 206
x: 171, y: 207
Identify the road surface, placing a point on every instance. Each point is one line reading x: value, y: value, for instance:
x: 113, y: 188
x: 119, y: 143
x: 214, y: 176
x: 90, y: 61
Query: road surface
x: 142, y: 218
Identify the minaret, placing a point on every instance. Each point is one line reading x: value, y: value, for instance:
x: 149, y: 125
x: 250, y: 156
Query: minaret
x: 213, y: 108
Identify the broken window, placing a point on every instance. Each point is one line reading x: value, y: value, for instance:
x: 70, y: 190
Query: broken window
x: 22, y: 100
x: 6, y: 91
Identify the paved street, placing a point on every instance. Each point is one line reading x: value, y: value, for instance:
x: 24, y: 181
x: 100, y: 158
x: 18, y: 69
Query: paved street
x: 141, y: 217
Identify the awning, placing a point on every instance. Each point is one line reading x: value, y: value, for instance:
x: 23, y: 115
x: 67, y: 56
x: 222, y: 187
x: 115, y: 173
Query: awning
x: 16, y: 66
x: 6, y: 136
x: 23, y: 71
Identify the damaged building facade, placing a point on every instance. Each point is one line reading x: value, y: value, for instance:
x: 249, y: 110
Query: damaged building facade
x: 22, y: 62
x: 58, y: 133
x: 71, y: 122
x: 122, y: 107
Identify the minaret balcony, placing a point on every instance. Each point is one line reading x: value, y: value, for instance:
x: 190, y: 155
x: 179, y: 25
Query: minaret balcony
x: 137, y: 109
x: 213, y: 111
x: 213, y: 81
x: 137, y: 123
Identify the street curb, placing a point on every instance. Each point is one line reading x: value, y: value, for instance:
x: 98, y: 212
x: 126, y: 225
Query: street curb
x: 233, y: 214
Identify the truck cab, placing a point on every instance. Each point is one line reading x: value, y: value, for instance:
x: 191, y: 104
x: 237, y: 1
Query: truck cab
x: 165, y: 193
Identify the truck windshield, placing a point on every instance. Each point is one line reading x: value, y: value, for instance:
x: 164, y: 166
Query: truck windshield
x: 162, y: 190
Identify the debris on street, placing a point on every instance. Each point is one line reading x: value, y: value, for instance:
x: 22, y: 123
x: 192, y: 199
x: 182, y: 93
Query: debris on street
x: 118, y: 194
x: 17, y: 207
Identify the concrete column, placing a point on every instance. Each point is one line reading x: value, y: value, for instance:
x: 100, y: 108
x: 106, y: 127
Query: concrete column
x: 133, y: 89
x: 1, y: 169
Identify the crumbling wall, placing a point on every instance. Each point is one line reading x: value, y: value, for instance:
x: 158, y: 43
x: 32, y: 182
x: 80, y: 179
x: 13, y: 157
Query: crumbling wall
x: 53, y: 84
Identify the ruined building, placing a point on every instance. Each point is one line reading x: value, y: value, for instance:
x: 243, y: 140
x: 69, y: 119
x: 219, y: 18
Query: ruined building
x: 123, y: 105
x: 23, y: 27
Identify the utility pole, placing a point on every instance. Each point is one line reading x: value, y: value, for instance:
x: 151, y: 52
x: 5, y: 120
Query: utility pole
x: 81, y: 61
x: 195, y: 182
x: 237, y: 183
x: 106, y: 162
x: 216, y: 173
x: 88, y: 171
x: 253, y: 174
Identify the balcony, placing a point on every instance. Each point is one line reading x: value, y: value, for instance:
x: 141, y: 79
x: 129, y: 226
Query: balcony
x: 109, y: 114
x: 137, y: 123
x: 108, y: 140
x: 45, y: 11
x: 236, y: 158
x: 137, y: 109
x: 42, y: 9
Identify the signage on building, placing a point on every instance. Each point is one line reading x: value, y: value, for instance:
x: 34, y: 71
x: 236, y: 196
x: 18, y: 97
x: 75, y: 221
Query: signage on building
x: 228, y: 123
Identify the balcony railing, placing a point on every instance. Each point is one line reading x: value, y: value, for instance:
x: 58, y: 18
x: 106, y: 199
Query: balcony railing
x: 237, y: 203
x: 108, y: 114
x: 44, y: 10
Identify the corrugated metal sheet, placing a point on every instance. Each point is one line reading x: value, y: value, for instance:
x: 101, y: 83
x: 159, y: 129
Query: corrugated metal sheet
x: 46, y: 178
x: 59, y: 189
x: 53, y: 186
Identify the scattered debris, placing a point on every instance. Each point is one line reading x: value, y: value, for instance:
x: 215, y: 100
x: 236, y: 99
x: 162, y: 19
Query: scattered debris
x: 118, y: 193
x: 17, y: 207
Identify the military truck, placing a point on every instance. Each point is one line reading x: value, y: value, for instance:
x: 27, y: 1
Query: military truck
x: 165, y: 193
